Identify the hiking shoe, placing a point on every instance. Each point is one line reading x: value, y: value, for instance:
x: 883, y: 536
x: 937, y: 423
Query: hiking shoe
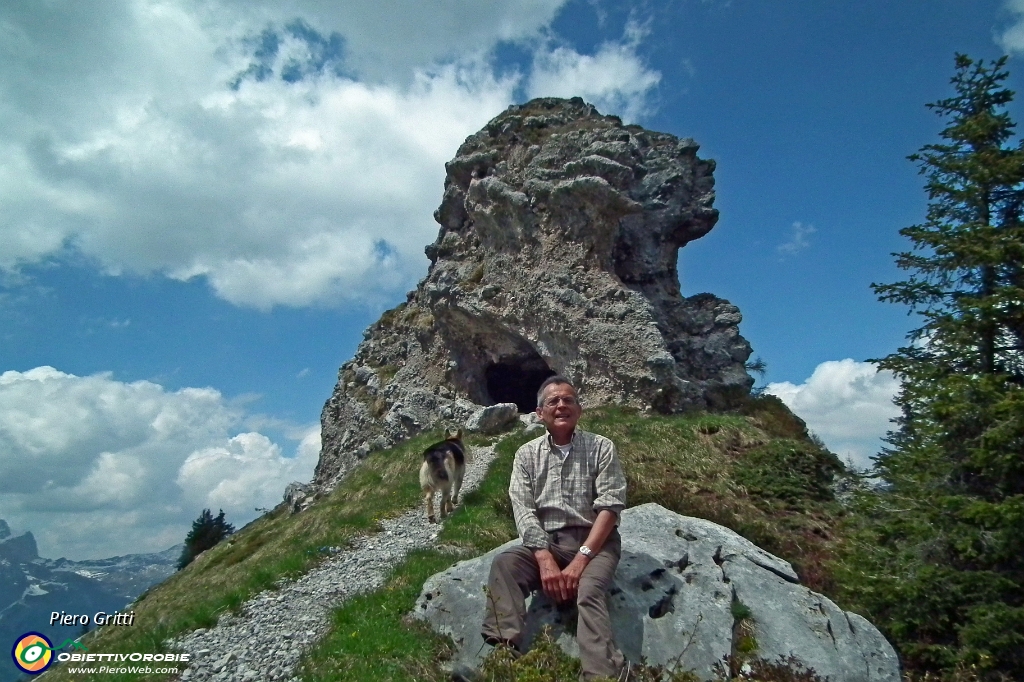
x: 507, y: 643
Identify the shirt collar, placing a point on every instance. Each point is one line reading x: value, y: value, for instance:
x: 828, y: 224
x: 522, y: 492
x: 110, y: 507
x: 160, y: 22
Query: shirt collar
x: 572, y: 441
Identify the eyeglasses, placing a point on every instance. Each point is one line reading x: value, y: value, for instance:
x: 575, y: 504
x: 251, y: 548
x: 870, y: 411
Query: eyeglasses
x: 567, y: 400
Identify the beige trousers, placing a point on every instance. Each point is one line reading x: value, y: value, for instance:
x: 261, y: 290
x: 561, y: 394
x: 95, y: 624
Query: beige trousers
x: 515, y: 574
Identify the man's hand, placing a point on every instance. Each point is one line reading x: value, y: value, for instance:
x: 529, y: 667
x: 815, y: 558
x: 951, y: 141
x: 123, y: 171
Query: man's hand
x: 571, y: 574
x: 551, y: 578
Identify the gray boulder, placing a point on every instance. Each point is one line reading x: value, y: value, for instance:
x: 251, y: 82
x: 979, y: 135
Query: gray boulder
x: 672, y: 603
x: 297, y: 496
x: 493, y: 418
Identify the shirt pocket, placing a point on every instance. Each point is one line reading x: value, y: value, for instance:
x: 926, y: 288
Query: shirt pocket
x: 578, y: 485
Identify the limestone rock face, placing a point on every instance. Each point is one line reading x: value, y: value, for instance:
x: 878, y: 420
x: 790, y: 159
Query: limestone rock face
x: 560, y: 231
x: 672, y: 603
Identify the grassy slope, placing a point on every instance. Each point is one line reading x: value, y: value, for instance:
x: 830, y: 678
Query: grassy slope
x: 755, y: 472
x: 276, y: 546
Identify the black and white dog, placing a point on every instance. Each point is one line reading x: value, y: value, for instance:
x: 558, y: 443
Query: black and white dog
x: 444, y: 465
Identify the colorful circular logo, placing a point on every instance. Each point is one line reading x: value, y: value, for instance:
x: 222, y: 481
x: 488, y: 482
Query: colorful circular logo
x: 32, y: 653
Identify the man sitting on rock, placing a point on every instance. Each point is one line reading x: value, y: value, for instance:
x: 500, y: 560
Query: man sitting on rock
x: 567, y: 490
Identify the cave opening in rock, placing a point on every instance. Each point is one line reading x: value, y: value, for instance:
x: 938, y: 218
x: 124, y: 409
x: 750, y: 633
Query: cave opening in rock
x: 516, y: 380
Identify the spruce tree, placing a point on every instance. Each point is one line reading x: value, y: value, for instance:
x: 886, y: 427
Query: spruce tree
x: 206, y: 532
x: 940, y: 564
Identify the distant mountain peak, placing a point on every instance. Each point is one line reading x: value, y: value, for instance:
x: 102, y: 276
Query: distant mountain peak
x: 19, y: 549
x: 32, y: 588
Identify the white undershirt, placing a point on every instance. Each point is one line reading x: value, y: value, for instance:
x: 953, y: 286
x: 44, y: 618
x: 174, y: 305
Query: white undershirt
x: 564, y: 449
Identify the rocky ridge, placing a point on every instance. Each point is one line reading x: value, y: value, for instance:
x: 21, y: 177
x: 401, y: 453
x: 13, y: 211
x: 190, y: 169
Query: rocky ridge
x: 560, y: 231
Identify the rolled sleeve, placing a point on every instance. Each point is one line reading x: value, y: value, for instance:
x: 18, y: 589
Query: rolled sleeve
x: 610, y: 482
x: 524, y: 505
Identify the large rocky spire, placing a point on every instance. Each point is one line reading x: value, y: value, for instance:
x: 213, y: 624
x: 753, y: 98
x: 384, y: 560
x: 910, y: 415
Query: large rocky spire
x: 560, y: 231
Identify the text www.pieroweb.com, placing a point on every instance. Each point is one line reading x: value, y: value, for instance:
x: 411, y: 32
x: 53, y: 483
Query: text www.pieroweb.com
x: 123, y: 670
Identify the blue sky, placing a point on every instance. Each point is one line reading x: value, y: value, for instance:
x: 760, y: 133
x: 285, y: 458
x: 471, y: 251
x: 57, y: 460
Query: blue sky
x: 203, y: 204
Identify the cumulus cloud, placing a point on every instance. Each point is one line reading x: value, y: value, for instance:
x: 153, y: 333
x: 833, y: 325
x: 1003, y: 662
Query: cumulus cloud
x: 289, y: 153
x: 390, y: 39
x: 96, y: 467
x: 1012, y: 38
x: 848, y: 404
x: 277, y: 192
x: 248, y: 466
x: 615, y: 78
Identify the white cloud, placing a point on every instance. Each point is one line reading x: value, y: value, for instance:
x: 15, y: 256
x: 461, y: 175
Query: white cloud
x: 848, y: 404
x: 1012, y: 39
x: 615, y: 79
x: 229, y: 476
x: 389, y: 39
x: 313, y: 181
x: 798, y: 239
x: 95, y: 467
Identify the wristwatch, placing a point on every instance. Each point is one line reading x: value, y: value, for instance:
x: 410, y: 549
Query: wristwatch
x: 586, y: 551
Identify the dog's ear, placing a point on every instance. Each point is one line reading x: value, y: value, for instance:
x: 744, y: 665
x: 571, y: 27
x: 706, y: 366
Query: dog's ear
x: 458, y: 434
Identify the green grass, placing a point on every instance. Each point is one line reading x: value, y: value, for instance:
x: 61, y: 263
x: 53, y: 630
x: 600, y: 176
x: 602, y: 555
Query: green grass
x: 276, y: 546
x: 484, y: 517
x: 373, y: 639
x: 724, y: 467
x: 756, y: 471
x: 372, y: 636
x: 687, y: 463
x: 545, y: 662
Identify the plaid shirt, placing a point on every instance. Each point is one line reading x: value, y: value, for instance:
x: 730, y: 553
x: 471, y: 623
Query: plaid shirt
x: 549, y: 493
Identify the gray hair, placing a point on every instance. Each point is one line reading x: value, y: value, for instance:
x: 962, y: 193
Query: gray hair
x: 551, y: 380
